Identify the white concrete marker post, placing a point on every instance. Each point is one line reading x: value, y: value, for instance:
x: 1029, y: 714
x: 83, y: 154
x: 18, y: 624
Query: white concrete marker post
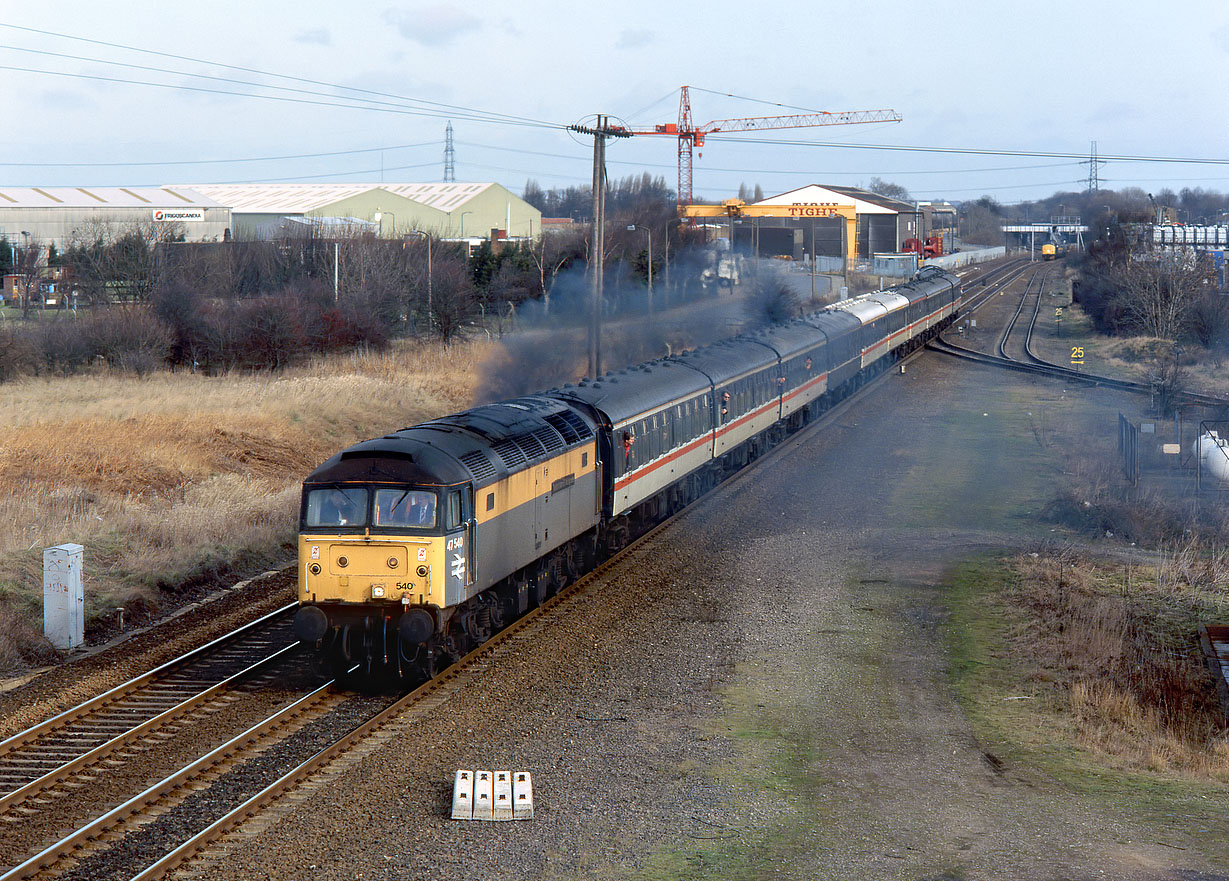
x: 63, y: 596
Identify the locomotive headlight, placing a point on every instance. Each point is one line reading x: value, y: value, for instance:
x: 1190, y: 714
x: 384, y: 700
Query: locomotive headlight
x: 314, y: 568
x: 343, y: 562
x: 422, y: 571
x: 377, y: 591
x: 392, y: 562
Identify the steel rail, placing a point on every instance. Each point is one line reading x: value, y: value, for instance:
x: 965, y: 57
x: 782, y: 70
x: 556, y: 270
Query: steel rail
x: 100, y: 752
x: 1041, y: 367
x: 97, y: 827
x: 98, y: 702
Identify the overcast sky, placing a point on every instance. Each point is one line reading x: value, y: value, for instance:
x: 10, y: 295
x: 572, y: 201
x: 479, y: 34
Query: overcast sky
x: 1141, y: 80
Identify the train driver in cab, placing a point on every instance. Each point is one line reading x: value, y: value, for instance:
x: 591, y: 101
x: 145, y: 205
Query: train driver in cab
x: 413, y: 508
x: 339, y: 508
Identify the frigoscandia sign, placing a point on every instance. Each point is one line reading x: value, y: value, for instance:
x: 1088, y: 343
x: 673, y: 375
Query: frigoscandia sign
x: 169, y: 215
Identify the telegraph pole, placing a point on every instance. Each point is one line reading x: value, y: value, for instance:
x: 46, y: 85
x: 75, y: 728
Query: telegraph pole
x: 601, y: 131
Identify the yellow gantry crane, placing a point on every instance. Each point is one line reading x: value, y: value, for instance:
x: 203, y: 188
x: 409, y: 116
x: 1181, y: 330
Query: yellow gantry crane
x: 735, y: 208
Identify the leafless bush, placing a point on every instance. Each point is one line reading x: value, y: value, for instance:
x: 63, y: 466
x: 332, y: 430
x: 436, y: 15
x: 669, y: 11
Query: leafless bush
x: 1096, y: 500
x: 1121, y: 641
x: 18, y: 355
x: 22, y: 646
x: 130, y: 338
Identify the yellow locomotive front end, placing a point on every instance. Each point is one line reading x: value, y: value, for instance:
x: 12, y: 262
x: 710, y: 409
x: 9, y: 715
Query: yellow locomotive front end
x: 393, y: 558
x: 379, y: 568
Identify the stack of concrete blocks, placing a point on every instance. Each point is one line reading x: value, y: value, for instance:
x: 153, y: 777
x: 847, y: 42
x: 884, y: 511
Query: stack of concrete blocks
x: 492, y: 795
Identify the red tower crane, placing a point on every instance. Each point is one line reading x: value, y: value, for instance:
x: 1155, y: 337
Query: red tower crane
x: 691, y: 136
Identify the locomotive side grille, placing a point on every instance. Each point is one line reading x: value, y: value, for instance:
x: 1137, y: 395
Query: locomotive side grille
x: 562, y: 425
x: 578, y: 425
x: 511, y: 454
x: 550, y: 439
x: 479, y: 465
x: 530, y: 446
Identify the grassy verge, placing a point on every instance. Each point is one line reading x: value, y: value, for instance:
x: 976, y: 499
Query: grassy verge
x: 177, y: 483
x: 1092, y: 674
x: 774, y: 763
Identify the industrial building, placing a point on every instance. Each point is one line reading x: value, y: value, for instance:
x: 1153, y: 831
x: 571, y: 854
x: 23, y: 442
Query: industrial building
x: 216, y: 212
x: 58, y: 215
x: 883, y: 224
x: 447, y: 210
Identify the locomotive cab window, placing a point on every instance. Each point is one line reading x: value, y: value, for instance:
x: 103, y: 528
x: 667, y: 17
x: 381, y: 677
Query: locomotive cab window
x: 452, y: 511
x: 405, y: 508
x: 336, y: 506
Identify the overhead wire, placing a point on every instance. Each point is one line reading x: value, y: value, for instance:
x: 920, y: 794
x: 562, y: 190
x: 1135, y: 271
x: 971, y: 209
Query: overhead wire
x: 423, y: 107
x: 470, y: 113
x: 300, y: 177
x: 435, y: 143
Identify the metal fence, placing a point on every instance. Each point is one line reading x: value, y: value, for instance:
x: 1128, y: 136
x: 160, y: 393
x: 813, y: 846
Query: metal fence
x: 1128, y: 449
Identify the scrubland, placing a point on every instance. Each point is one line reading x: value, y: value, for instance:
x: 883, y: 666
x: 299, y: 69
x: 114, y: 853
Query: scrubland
x: 1112, y: 649
x: 176, y: 483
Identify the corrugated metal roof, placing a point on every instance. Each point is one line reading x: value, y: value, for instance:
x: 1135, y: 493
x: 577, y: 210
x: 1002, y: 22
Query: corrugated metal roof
x: 302, y: 198
x: 95, y: 197
x: 442, y: 197
x: 876, y: 199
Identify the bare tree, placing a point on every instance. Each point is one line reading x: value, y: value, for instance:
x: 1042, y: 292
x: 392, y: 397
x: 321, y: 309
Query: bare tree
x: 30, y: 260
x: 553, y: 253
x: 1159, y: 295
x: 113, y: 259
x: 454, y: 300
x: 889, y: 189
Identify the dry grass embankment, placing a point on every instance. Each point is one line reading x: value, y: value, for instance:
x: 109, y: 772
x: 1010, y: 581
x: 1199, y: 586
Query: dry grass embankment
x: 177, y: 482
x: 1117, y: 646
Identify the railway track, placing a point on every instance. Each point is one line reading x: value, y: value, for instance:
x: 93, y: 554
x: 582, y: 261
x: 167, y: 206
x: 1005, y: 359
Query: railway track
x: 148, y: 706
x: 100, y: 751
x: 1031, y: 362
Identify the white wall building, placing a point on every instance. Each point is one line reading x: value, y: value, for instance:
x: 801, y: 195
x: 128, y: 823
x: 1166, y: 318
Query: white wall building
x: 57, y: 215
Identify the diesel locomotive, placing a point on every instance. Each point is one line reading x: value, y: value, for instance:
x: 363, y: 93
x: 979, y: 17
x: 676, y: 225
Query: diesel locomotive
x: 416, y: 546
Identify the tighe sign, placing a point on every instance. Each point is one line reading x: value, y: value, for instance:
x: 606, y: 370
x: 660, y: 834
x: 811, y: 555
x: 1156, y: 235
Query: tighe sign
x: 171, y: 215
x: 799, y: 210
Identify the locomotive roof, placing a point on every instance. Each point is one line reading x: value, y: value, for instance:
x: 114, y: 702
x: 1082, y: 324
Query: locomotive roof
x: 394, y: 458
x: 483, y: 444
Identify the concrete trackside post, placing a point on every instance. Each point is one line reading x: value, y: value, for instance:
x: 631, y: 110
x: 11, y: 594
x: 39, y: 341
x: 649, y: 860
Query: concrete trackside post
x: 63, y: 596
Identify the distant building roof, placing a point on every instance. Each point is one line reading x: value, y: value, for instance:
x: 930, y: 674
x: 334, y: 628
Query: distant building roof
x: 821, y: 194
x: 897, y: 205
x: 302, y: 198
x: 104, y: 197
x: 442, y: 197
